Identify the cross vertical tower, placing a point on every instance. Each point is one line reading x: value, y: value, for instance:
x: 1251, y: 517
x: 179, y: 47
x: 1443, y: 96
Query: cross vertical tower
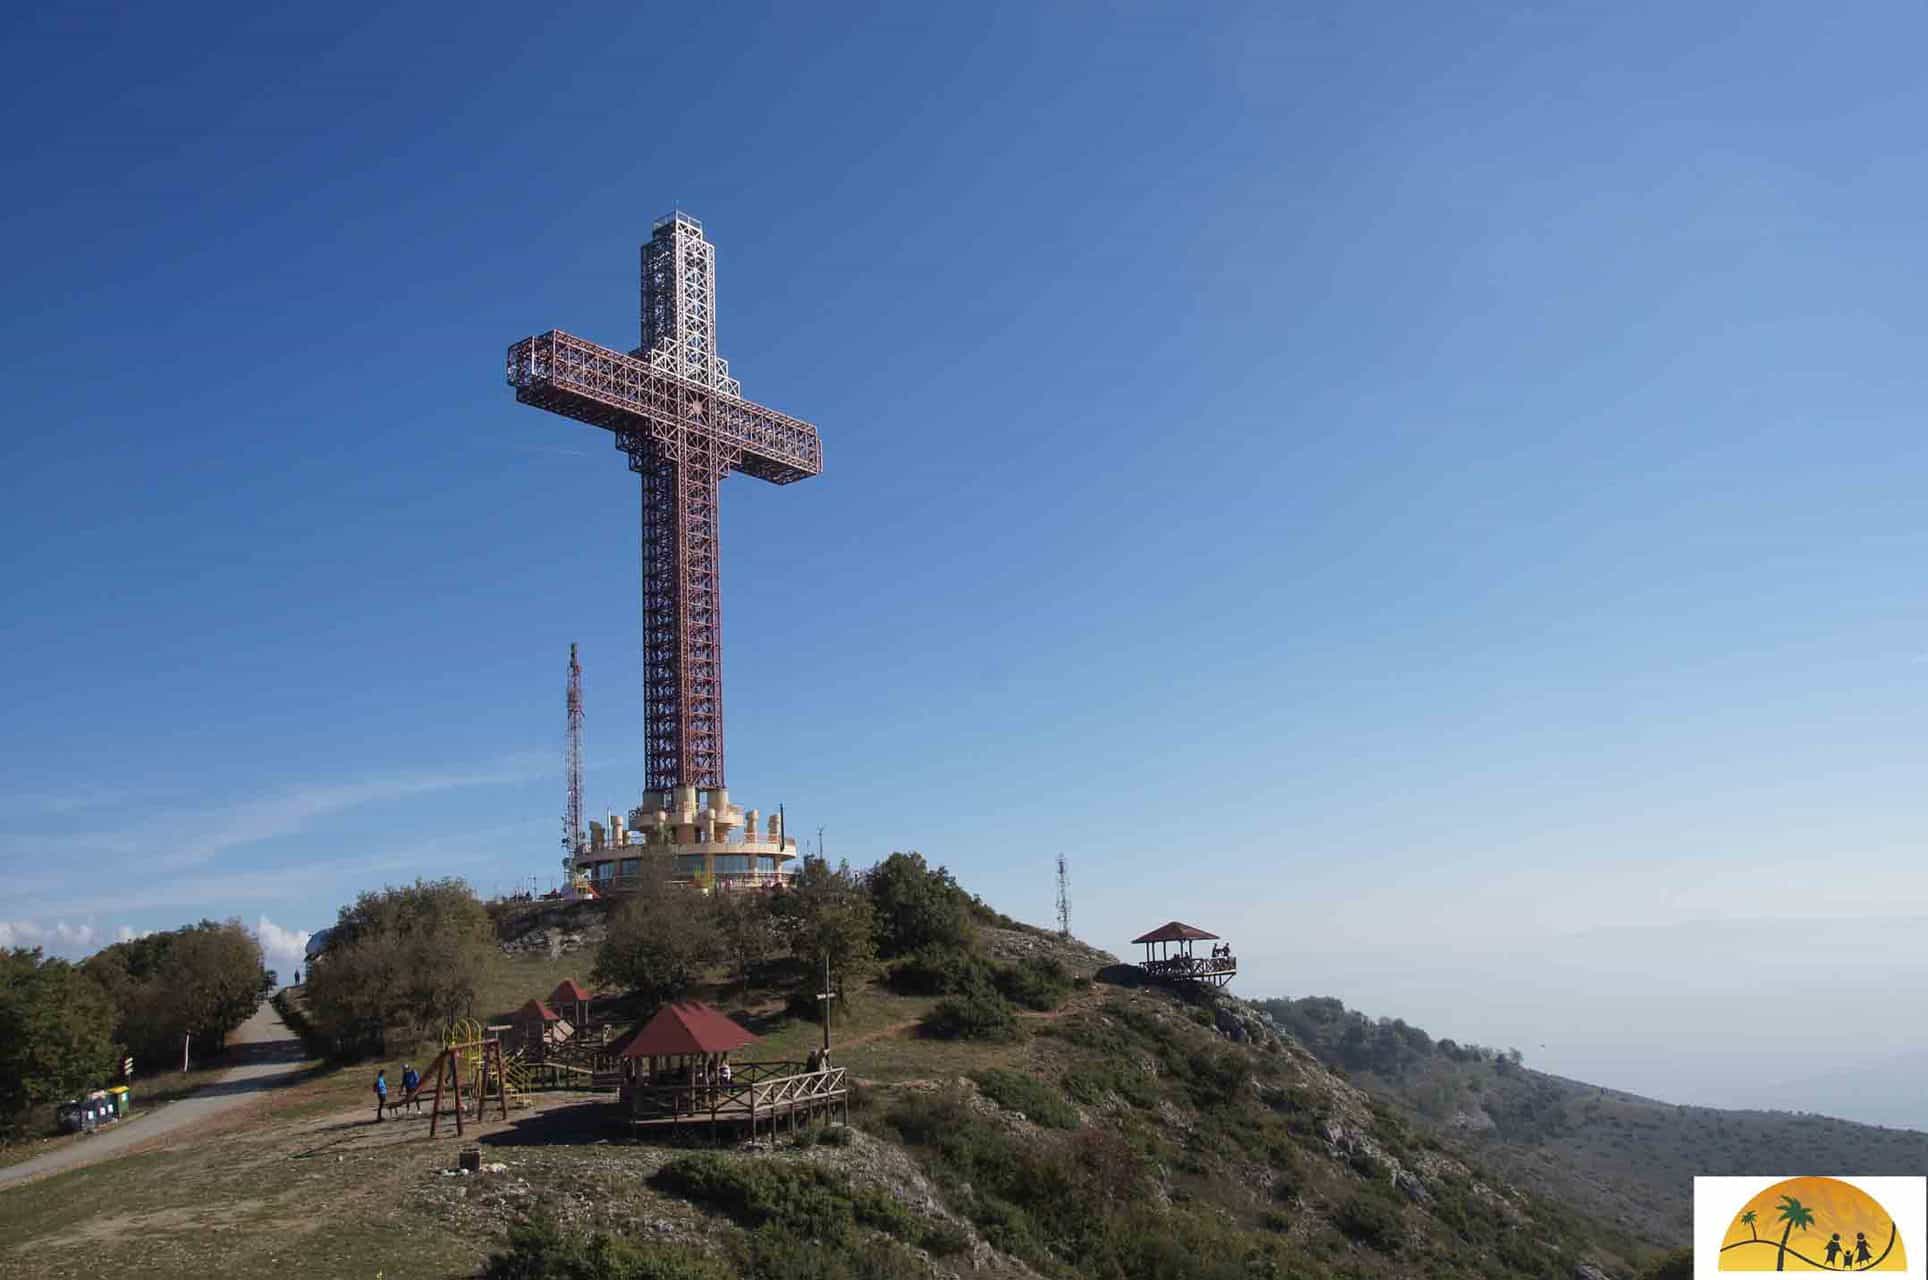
x: 682, y: 569
x: 572, y: 802
x: 680, y: 418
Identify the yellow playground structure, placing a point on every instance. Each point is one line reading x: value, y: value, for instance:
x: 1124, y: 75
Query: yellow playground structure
x: 472, y: 1060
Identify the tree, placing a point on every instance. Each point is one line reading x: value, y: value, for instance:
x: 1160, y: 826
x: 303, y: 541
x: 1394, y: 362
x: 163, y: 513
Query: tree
x: 56, y: 1032
x: 916, y: 906
x: 746, y: 931
x: 1748, y: 1218
x: 197, y: 983
x: 1794, y: 1214
x: 660, y: 940
x: 828, y: 913
x: 402, y: 961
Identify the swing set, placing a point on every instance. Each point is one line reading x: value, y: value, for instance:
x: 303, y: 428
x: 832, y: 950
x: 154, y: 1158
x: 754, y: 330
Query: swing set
x: 471, y: 1058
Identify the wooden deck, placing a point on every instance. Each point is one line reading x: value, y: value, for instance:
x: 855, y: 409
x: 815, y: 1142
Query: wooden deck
x: 760, y: 1094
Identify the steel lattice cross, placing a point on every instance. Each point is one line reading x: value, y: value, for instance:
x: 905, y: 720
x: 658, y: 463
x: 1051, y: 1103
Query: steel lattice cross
x: 684, y: 424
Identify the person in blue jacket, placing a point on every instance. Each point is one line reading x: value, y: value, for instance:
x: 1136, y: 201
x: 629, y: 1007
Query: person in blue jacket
x: 381, y: 1093
x: 411, y: 1082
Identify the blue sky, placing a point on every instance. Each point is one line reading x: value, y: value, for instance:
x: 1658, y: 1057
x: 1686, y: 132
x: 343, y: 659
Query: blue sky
x: 1436, y: 497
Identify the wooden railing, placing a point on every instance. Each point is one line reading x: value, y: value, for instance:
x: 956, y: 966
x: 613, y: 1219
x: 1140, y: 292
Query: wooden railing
x: 1191, y: 966
x: 800, y: 1088
x: 755, y: 1090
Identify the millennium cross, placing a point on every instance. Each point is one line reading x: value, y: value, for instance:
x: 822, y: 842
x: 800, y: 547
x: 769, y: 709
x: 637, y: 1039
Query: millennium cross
x: 682, y: 420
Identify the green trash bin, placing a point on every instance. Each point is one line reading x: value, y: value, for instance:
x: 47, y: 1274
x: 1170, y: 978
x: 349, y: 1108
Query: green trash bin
x: 120, y: 1098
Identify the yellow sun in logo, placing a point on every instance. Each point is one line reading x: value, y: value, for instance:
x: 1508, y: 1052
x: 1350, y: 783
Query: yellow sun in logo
x: 1813, y: 1224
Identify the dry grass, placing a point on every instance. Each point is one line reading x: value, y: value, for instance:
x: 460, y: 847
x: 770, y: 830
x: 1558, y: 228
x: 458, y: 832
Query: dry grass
x: 301, y: 1183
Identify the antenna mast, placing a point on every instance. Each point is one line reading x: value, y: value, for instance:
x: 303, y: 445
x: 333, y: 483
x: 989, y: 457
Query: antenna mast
x: 572, y: 811
x: 1064, y: 899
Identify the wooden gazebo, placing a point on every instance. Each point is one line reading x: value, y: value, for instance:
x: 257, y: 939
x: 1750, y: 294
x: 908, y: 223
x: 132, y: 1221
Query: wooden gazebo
x: 676, y: 1070
x: 1181, y: 965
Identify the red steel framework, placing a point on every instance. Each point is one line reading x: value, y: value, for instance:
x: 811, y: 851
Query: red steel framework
x: 678, y: 415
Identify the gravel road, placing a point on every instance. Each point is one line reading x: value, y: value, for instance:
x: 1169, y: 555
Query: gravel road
x: 268, y: 1056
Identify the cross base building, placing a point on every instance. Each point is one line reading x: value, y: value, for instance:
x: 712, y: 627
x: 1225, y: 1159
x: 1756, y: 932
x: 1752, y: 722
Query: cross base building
x: 685, y: 835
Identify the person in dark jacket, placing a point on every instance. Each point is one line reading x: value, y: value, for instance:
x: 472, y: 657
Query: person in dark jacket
x: 381, y: 1093
x: 411, y: 1083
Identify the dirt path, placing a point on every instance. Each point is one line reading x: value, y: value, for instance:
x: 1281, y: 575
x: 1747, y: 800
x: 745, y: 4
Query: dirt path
x: 269, y: 1057
x: 895, y: 1028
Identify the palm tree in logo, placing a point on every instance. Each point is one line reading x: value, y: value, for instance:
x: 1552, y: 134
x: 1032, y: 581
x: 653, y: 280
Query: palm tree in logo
x: 1795, y: 1214
x: 1748, y: 1220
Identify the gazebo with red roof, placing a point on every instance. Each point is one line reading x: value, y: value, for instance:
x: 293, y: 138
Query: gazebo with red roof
x: 1217, y: 969
x: 676, y: 1070
x: 684, y: 1044
x: 687, y: 1030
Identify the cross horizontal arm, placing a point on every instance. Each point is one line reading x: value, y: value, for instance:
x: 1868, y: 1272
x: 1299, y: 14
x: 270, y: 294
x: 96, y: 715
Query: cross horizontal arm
x: 564, y: 374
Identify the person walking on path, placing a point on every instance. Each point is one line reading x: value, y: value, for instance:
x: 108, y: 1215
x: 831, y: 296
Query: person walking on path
x: 411, y: 1081
x: 381, y: 1093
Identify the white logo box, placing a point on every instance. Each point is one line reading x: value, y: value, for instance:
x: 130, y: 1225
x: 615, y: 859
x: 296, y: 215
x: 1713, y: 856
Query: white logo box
x: 1717, y: 1200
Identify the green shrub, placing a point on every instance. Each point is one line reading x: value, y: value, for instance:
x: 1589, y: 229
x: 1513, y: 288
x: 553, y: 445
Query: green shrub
x: 1040, y: 983
x: 979, y: 1014
x: 1039, y: 1102
x: 943, y: 1240
x: 540, y: 1250
x: 771, y: 1254
x: 1091, y: 1083
x: 1213, y: 1076
x: 1371, y: 1220
x: 938, y: 970
x: 801, y: 1199
x: 1678, y: 1265
x: 1045, y: 1201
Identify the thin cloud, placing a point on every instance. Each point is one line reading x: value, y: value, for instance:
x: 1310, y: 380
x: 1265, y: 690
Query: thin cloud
x: 59, y: 938
x: 296, y: 808
x: 178, y: 839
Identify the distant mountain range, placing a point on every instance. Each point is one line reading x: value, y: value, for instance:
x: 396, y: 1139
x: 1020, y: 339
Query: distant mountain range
x: 1622, y: 1158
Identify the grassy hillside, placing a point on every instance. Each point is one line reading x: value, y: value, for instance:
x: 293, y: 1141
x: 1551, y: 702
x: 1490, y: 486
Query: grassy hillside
x: 1122, y: 1133
x: 1625, y: 1160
